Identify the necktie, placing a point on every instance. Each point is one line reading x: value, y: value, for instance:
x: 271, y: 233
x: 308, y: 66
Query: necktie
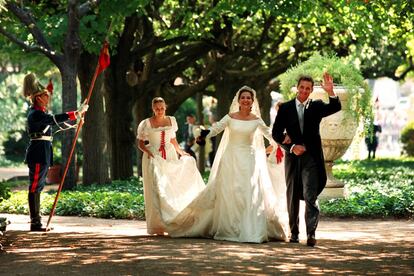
x: 300, y: 115
x: 190, y: 131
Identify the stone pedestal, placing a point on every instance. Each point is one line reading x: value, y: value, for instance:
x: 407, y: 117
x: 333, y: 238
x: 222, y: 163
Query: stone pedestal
x: 337, y: 132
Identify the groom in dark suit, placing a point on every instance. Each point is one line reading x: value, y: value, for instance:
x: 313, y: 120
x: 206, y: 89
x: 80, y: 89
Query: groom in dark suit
x: 304, y: 162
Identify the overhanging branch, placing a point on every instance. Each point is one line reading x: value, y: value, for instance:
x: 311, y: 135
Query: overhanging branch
x: 26, y: 18
x: 19, y: 42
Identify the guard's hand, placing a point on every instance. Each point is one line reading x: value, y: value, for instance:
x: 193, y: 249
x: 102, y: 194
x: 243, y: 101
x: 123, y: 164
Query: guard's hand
x: 81, y: 110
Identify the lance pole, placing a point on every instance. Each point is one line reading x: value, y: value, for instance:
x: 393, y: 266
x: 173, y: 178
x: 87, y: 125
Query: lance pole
x: 80, y: 124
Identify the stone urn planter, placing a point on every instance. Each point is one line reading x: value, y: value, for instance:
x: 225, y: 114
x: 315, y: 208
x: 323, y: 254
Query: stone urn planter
x: 337, y: 132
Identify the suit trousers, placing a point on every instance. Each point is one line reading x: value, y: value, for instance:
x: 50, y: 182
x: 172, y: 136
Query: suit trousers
x: 302, y: 183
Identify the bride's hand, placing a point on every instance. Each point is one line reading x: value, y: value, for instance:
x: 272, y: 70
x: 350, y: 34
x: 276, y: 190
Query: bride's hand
x: 269, y: 149
x: 150, y: 155
x: 287, y: 140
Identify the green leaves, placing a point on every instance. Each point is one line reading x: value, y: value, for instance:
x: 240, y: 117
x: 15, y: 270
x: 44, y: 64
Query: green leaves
x: 407, y: 139
x: 4, y: 191
x: 121, y: 200
x: 379, y: 188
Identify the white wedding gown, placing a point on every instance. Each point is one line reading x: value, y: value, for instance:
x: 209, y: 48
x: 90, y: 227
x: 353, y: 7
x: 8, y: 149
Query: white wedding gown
x: 239, y: 203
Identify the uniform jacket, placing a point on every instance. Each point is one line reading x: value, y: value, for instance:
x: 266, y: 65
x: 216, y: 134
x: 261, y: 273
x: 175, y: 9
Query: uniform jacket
x: 40, y: 151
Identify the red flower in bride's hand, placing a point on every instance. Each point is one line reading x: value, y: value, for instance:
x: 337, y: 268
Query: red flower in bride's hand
x: 279, y: 154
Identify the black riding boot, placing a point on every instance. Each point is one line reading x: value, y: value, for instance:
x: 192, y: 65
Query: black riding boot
x: 34, y: 208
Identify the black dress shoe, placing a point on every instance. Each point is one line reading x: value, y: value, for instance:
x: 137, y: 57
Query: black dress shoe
x: 311, y: 241
x: 39, y: 229
x: 294, y: 238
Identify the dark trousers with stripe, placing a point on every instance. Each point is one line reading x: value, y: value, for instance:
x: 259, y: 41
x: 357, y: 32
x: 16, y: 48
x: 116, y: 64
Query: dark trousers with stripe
x: 37, y: 177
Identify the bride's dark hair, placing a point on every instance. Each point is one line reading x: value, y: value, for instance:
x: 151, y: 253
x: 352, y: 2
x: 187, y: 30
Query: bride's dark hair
x: 246, y: 89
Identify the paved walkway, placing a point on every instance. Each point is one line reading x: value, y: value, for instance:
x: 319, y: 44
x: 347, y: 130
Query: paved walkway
x: 7, y: 173
x: 90, y: 246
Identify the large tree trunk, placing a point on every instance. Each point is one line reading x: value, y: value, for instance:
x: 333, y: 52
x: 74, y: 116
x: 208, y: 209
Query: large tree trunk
x: 94, y: 131
x: 226, y: 88
x: 225, y: 91
x: 69, y: 98
x: 263, y: 97
x: 122, y: 138
x: 142, y: 110
x: 68, y: 69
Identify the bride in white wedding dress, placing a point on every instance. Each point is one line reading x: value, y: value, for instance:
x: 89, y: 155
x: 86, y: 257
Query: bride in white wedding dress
x: 240, y: 201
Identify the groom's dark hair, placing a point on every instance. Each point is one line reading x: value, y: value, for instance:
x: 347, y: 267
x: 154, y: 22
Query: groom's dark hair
x: 305, y: 78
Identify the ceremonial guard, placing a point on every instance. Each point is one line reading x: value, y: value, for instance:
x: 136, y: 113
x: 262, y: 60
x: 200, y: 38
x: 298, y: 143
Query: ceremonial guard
x: 39, y: 154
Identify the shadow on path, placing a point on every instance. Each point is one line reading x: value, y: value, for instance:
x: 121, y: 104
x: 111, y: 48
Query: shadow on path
x: 345, y: 248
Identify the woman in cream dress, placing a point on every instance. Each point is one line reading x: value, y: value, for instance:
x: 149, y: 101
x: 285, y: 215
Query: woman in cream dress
x: 169, y: 183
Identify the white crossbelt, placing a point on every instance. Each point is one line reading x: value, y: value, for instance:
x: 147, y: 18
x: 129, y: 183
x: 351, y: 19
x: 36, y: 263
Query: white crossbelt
x: 43, y: 138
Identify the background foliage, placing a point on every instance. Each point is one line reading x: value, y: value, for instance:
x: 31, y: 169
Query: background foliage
x: 380, y: 188
x: 407, y: 139
x: 214, y: 47
x: 377, y: 188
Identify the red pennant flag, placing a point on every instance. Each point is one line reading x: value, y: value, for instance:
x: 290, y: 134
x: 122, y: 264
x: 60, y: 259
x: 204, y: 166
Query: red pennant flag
x: 49, y: 86
x: 104, y: 58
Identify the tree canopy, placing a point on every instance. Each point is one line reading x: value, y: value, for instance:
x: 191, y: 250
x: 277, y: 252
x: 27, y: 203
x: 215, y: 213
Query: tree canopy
x: 213, y: 47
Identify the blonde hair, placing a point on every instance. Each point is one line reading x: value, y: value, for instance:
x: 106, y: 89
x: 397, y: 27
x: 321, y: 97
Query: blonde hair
x: 157, y: 100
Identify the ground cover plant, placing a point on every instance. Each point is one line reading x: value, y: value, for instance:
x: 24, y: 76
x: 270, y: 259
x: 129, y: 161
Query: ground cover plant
x: 376, y: 188
x: 120, y: 199
x: 380, y: 188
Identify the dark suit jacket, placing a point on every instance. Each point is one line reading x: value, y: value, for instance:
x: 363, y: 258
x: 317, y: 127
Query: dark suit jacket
x: 287, y: 120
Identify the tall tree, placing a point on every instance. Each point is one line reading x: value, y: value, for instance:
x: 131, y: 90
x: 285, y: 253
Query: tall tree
x: 39, y: 20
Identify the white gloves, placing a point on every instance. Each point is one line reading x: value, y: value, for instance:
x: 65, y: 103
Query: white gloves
x: 81, y: 110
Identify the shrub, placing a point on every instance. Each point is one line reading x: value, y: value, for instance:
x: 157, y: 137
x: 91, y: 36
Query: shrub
x: 380, y: 188
x: 4, y: 191
x: 120, y: 199
x: 407, y: 139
